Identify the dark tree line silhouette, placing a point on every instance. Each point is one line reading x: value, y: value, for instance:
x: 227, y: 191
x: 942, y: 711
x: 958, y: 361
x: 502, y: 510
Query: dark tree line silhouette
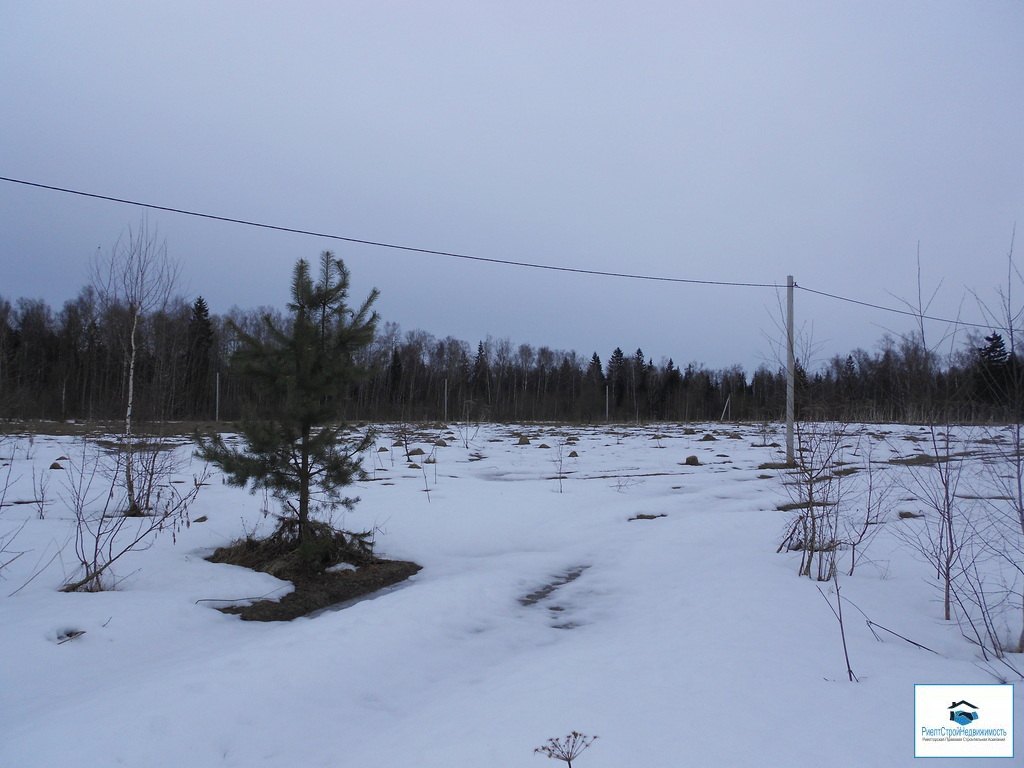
x: 72, y: 364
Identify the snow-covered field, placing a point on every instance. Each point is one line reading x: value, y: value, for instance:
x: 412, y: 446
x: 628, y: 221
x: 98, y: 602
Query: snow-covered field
x: 542, y: 608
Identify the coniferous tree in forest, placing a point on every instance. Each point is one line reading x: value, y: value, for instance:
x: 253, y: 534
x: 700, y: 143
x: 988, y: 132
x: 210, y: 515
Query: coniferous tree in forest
x: 35, y: 354
x: 305, y: 369
x: 101, y: 357
x: 638, y: 384
x: 595, y: 372
x: 670, y: 384
x: 569, y: 385
x: 592, y: 390
x: 616, y: 377
x: 849, y: 376
x: 394, y: 381
x: 480, y: 378
x: 78, y: 330
x: 199, y: 360
x: 992, y: 371
x: 6, y: 357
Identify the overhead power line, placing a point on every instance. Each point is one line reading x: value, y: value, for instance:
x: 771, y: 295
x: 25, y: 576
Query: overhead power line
x: 485, y: 259
x: 894, y: 310
x: 392, y: 246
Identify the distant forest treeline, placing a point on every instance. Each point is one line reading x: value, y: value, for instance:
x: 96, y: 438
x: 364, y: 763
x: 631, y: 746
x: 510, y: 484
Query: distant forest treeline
x: 73, y: 364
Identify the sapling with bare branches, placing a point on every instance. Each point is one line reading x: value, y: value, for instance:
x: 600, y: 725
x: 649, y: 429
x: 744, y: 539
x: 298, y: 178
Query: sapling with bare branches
x: 837, y: 611
x: 1002, y: 485
x: 766, y: 429
x: 871, y: 508
x: 40, y: 489
x: 1001, y: 528
x: 467, y: 432
x: 7, y: 536
x: 7, y: 554
x: 558, y: 460
x: 6, y: 468
x: 816, y: 494
x: 404, y: 434
x: 137, y: 279
x: 104, y: 533
x: 945, y: 536
x: 956, y: 536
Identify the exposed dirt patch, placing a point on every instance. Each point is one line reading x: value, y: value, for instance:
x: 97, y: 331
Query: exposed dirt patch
x: 804, y: 505
x: 306, y: 566
x: 780, y: 465
x: 322, y: 590
x: 545, y: 591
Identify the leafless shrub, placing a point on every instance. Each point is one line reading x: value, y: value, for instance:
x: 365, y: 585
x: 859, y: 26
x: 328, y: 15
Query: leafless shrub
x: 106, y: 526
x: 870, y: 509
x: 40, y: 489
x: 997, y: 591
x: 766, y: 429
x: 426, y: 484
x: 467, y: 431
x: 990, y: 592
x: 6, y: 470
x: 837, y: 611
x: 404, y: 436
x: 7, y: 537
x: 558, y: 460
x: 945, y: 537
x: 7, y: 554
x: 1000, y: 527
x: 625, y: 482
x: 816, y: 494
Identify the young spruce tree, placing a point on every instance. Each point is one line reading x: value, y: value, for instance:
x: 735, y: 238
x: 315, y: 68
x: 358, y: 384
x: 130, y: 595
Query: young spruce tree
x: 296, y: 447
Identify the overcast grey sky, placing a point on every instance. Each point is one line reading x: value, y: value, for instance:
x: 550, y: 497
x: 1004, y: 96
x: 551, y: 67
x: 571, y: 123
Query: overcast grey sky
x: 722, y: 141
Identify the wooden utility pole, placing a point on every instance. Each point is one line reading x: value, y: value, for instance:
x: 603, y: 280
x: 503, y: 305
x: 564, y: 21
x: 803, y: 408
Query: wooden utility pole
x: 790, y: 374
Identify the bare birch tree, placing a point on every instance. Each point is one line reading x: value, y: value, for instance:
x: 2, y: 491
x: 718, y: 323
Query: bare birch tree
x: 138, y: 277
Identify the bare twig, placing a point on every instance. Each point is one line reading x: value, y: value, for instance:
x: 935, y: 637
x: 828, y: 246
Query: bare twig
x: 872, y: 625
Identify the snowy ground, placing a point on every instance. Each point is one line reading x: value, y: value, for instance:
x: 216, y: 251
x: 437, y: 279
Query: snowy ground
x: 682, y: 640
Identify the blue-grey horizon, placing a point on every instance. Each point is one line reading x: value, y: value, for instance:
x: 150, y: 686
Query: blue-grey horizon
x: 845, y: 144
